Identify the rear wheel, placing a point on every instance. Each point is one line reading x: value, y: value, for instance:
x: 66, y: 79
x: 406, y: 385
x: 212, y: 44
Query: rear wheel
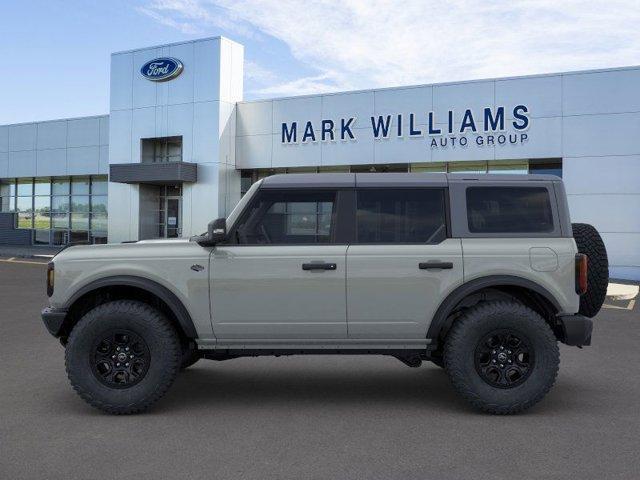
x: 590, y: 243
x: 122, y: 356
x: 502, y: 357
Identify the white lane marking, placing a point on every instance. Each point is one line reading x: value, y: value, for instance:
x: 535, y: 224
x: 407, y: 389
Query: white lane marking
x: 629, y: 306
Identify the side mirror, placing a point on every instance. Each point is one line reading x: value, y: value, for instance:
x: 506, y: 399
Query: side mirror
x: 216, y: 233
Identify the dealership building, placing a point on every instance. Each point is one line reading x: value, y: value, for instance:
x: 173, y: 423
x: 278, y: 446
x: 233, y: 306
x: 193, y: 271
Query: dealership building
x: 179, y: 146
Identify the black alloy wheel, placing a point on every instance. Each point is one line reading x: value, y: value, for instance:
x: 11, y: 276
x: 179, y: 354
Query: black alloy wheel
x: 120, y: 359
x: 504, y: 358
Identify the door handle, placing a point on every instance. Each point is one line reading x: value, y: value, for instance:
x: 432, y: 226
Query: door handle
x: 435, y: 265
x: 319, y: 266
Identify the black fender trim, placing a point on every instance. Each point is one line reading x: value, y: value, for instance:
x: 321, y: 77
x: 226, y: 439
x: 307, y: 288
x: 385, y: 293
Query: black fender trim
x: 163, y: 293
x: 446, y: 307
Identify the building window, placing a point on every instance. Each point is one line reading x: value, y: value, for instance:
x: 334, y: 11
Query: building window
x: 58, y: 210
x: 161, y: 150
x: 8, y: 195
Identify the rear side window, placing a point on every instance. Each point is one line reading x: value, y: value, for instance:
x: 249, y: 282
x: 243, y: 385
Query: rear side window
x: 401, y: 216
x: 509, y: 210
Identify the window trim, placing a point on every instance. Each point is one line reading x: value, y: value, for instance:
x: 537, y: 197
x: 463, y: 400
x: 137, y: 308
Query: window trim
x: 446, y: 206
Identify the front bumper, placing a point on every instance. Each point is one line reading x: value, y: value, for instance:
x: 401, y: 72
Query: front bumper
x: 575, y: 330
x: 53, y: 319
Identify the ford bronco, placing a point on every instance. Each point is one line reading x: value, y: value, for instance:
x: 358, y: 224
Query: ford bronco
x: 482, y: 275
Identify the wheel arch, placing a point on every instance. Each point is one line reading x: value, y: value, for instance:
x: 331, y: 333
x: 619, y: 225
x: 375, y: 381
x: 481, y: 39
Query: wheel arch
x: 132, y: 287
x: 522, y: 289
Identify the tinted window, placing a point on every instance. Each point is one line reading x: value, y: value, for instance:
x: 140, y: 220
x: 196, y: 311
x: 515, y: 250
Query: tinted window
x: 288, y: 217
x: 401, y: 216
x: 509, y: 210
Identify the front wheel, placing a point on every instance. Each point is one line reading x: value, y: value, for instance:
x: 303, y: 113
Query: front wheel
x: 122, y: 356
x: 502, y: 357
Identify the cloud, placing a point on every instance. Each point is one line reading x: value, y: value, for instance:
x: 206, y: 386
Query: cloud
x: 353, y: 44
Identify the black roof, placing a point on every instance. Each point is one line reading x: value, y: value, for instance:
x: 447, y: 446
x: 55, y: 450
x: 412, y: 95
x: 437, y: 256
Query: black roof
x: 345, y: 180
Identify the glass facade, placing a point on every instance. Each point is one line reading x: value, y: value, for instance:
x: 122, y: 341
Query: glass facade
x: 551, y: 166
x: 59, y: 210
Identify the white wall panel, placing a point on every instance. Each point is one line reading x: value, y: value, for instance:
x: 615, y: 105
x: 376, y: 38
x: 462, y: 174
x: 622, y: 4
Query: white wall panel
x: 22, y: 137
x: 401, y: 150
x: 51, y: 162
x: 227, y: 129
x: 121, y: 84
x: 180, y: 89
x: 299, y: 110
x: 120, y: 136
x: 83, y: 160
x: 4, y: 164
x: 601, y: 92
x: 143, y: 125
x: 346, y: 105
x: 253, y: 151
x: 255, y: 118
x: 4, y: 138
x: 607, y: 212
x: 458, y: 97
x: 601, y: 135
x: 237, y: 71
x: 602, y: 174
x: 22, y: 164
x: 104, y: 160
x: 180, y: 122
x: 454, y: 152
x: 348, y: 152
x: 83, y: 132
x: 122, y: 221
x: 542, y: 95
x: 52, y: 134
x: 104, y: 130
x: 544, y: 140
x: 416, y: 100
x: 144, y: 91
x: 622, y: 249
x: 295, y: 155
x: 206, y: 132
x: 207, y: 81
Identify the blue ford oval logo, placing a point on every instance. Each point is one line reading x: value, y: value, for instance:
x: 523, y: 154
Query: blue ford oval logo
x: 162, y: 69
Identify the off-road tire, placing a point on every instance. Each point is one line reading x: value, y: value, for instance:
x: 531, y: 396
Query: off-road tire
x: 469, y: 331
x: 163, y: 347
x: 590, y: 243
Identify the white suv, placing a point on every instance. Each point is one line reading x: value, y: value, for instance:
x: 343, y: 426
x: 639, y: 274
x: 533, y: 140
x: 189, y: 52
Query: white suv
x: 480, y: 274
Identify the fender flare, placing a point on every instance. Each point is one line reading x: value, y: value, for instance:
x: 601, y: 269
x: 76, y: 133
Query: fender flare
x: 439, y: 320
x: 163, y: 293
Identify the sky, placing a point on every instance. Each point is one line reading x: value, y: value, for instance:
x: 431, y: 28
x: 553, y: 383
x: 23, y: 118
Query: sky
x: 55, y: 53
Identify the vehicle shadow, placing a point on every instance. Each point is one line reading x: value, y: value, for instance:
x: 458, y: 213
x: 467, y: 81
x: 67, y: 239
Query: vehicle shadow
x: 207, y: 386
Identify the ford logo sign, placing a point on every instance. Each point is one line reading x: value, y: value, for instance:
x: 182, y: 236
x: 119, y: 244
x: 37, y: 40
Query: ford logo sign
x: 162, y: 69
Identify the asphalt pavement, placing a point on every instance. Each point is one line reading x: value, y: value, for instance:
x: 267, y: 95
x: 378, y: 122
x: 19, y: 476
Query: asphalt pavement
x: 313, y: 417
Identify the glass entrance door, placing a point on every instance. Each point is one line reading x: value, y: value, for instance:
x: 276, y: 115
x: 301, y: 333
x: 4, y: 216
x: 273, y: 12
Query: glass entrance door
x: 174, y: 222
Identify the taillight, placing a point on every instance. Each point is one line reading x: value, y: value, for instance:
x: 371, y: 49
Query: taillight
x: 581, y: 273
x: 50, y: 278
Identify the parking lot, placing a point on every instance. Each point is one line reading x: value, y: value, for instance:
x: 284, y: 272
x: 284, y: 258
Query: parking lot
x: 313, y: 417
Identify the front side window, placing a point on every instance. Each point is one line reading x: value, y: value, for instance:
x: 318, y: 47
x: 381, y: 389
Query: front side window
x: 401, y: 216
x: 288, y: 217
x: 509, y: 210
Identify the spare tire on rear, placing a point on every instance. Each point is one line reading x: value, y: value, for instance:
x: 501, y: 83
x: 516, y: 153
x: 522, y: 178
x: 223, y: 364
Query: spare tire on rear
x: 590, y: 243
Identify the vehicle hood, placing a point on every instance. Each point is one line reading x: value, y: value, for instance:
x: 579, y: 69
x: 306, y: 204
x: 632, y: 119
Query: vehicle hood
x: 141, y: 248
